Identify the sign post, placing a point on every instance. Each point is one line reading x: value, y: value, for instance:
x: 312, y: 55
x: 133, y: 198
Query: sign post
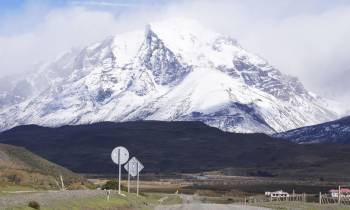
x: 134, y: 167
x: 138, y: 179
x: 120, y: 155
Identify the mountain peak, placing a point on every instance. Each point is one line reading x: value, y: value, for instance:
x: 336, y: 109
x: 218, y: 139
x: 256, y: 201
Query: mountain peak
x: 174, y: 69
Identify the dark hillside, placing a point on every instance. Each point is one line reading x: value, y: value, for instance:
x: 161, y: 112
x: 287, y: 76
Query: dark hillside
x: 178, y: 147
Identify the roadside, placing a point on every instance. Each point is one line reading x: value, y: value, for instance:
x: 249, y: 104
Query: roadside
x: 80, y: 200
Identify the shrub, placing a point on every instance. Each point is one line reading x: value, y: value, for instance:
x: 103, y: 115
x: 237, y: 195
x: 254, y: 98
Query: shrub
x: 34, y: 205
x: 110, y: 185
x: 77, y: 186
x: 14, y: 178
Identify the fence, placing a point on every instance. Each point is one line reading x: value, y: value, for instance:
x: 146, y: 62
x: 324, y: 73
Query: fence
x: 290, y: 198
x: 323, y: 199
x: 327, y: 199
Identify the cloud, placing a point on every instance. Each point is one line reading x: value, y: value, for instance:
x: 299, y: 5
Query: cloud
x: 307, y: 39
x: 104, y: 4
x: 58, y: 31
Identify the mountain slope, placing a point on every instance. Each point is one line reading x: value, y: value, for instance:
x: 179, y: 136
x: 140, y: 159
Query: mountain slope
x: 179, y: 147
x: 21, y: 87
x: 171, y: 70
x: 21, y: 167
x: 337, y: 131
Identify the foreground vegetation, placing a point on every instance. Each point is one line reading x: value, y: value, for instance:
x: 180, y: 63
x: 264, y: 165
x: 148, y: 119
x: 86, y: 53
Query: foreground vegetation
x: 100, y: 202
x: 22, y: 168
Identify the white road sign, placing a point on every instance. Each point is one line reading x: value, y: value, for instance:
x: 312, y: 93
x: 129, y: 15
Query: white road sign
x: 120, y: 152
x: 134, y: 166
x: 120, y: 155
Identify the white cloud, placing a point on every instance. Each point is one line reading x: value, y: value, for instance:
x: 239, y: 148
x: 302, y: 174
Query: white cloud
x: 307, y: 39
x: 103, y: 3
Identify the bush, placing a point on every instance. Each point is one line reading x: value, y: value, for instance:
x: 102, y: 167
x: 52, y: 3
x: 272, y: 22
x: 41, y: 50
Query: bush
x: 14, y: 178
x: 34, y: 205
x: 76, y: 186
x: 110, y: 185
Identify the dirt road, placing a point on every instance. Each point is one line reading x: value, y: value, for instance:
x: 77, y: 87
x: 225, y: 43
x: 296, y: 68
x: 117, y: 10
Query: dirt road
x: 190, y: 203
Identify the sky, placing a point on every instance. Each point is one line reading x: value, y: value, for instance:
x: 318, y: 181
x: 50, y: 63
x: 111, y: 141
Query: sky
x: 303, y: 38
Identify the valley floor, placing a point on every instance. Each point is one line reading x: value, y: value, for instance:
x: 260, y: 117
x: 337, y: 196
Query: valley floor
x: 97, y: 200
x: 210, y: 190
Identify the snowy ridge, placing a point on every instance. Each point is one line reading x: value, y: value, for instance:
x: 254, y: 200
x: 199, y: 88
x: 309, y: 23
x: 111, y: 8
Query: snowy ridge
x: 172, y: 70
x: 337, y: 131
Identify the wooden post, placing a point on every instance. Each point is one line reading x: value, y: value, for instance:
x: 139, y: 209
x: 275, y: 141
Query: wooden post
x: 339, y: 194
x: 320, y: 198
x: 62, y: 184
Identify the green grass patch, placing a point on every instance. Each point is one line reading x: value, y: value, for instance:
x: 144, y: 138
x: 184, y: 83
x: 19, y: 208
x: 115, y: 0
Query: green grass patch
x: 116, y: 202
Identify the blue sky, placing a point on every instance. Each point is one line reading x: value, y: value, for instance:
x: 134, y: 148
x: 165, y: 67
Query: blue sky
x: 17, y: 9
x: 10, y: 6
x: 28, y: 13
x: 18, y: 5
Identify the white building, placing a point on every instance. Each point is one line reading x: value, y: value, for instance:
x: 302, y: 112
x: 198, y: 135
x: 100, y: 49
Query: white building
x: 277, y: 194
x: 344, y: 193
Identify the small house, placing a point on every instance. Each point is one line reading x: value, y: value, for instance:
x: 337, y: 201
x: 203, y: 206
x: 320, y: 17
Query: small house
x: 277, y: 194
x: 344, y: 193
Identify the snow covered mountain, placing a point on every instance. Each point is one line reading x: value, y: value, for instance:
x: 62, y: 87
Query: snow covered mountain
x: 337, y: 131
x: 20, y: 87
x: 172, y: 70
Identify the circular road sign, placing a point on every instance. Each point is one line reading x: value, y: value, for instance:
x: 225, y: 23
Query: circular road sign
x: 120, y: 152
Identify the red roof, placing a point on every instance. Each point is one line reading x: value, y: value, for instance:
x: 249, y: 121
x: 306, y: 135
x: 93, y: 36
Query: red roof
x: 342, y: 190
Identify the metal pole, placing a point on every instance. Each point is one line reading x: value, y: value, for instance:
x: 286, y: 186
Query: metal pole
x: 120, y: 171
x: 137, y: 169
x: 128, y: 178
x: 320, y: 198
x: 339, y: 194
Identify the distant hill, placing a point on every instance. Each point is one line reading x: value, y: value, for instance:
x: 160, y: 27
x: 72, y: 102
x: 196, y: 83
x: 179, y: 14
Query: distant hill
x: 337, y: 131
x: 21, y: 167
x: 165, y: 147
